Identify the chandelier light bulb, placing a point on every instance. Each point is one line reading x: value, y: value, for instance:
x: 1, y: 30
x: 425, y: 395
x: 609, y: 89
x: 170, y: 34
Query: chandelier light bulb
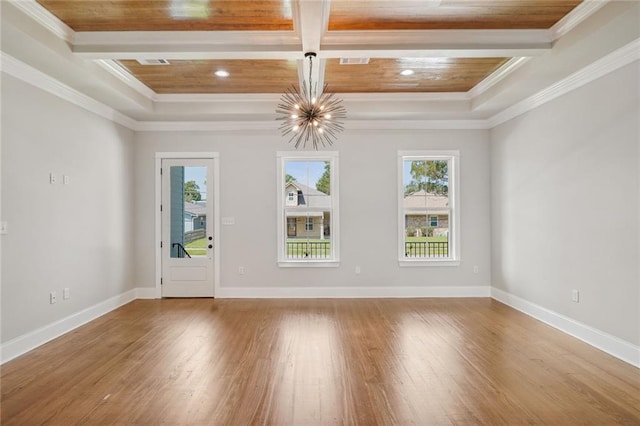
x: 327, y: 116
x: 313, y: 100
x: 294, y: 116
x: 295, y: 128
x: 297, y: 106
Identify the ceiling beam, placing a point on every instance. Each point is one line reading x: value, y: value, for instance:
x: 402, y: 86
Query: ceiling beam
x: 311, y: 21
x: 187, y: 45
x: 436, y: 43
x: 291, y: 45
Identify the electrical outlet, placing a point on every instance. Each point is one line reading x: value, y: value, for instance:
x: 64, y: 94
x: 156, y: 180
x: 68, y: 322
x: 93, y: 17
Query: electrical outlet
x: 358, y: 270
x: 52, y: 297
x: 241, y: 270
x: 575, y: 296
x: 476, y: 269
x: 53, y: 178
x: 66, y: 294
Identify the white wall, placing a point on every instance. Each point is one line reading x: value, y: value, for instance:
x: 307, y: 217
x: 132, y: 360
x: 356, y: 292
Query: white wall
x: 78, y: 235
x: 565, y: 204
x: 368, y: 211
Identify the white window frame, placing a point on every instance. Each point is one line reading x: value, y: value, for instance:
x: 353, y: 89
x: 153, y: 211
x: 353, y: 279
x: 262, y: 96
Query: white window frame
x: 281, y: 158
x: 453, y: 157
x: 308, y: 224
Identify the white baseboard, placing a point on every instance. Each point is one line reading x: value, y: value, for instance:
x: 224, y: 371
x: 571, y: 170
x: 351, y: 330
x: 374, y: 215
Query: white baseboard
x: 147, y: 293
x: 348, y: 292
x: 22, y: 344
x: 612, y: 345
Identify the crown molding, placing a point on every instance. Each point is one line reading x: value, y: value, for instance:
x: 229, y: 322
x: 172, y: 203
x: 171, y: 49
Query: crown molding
x: 217, y: 97
x: 205, y: 126
x: 479, y: 124
x: 123, y: 75
x: 510, y: 66
x: 45, y: 18
x: 612, y: 62
x: 575, y: 17
x: 30, y: 75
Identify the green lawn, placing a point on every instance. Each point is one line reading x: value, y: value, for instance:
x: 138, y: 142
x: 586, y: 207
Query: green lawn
x: 197, y: 247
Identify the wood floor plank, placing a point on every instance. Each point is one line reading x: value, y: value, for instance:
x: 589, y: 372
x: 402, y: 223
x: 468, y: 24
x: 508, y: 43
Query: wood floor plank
x: 318, y: 362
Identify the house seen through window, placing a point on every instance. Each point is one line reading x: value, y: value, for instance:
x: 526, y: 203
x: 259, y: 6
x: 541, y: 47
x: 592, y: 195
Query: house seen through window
x: 427, y: 207
x: 308, y: 208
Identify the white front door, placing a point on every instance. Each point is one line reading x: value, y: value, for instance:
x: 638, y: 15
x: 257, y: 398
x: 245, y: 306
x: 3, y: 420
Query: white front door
x: 187, y: 228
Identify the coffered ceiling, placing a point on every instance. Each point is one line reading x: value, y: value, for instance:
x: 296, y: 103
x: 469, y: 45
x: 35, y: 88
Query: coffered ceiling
x: 311, y: 23
x: 170, y: 53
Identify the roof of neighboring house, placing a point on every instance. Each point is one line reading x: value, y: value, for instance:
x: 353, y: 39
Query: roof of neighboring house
x: 312, y: 197
x: 425, y: 200
x: 196, y: 208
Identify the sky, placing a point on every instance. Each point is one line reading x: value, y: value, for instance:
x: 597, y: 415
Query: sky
x: 301, y: 170
x: 305, y: 172
x: 198, y: 174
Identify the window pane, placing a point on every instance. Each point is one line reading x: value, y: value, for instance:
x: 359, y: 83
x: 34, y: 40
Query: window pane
x: 426, y: 207
x: 308, y: 213
x: 188, y: 211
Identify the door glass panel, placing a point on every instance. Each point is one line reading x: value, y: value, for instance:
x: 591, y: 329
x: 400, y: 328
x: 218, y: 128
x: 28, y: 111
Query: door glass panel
x: 188, y: 211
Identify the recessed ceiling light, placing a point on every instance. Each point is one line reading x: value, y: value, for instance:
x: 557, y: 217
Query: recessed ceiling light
x: 222, y: 73
x: 407, y: 72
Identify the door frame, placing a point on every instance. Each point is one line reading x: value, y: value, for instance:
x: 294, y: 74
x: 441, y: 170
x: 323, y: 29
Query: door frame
x: 215, y: 157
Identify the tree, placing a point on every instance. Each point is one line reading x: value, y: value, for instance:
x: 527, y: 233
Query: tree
x: 191, y: 191
x: 431, y: 176
x: 324, y: 183
x: 288, y: 178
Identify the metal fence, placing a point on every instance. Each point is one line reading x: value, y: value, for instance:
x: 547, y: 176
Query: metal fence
x: 308, y: 249
x: 426, y: 249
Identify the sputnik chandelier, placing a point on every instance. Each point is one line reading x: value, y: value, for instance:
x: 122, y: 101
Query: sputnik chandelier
x: 310, y: 117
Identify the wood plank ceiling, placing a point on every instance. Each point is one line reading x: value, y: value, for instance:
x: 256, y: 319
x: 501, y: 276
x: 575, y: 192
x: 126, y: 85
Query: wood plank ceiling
x: 378, y: 75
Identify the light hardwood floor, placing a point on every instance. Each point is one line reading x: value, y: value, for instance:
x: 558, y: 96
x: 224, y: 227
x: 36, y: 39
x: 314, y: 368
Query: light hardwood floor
x: 308, y: 362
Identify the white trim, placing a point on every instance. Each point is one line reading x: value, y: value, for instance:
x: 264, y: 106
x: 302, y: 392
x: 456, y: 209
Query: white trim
x: 453, y: 157
x: 603, y: 66
x: 230, y: 292
x: 187, y: 45
x: 30, y: 75
x: 334, y: 160
x: 22, y: 344
x: 218, y: 97
x: 435, y: 43
x: 205, y: 126
x: 510, y: 66
x: 146, y: 293
x: 608, y: 343
x: 123, y: 74
x: 159, y: 156
x: 417, y: 124
x: 45, y: 18
x: 575, y: 17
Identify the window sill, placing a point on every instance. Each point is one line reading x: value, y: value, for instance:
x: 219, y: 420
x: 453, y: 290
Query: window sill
x: 423, y: 262
x: 309, y: 264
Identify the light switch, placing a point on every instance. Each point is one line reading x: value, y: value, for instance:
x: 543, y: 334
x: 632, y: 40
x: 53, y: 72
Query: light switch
x: 65, y: 179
